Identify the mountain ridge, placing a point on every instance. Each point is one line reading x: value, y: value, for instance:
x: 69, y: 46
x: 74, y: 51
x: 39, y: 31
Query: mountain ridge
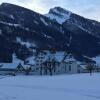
x: 23, y: 29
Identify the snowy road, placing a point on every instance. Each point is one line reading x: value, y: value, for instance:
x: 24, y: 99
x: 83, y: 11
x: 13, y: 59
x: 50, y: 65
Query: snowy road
x: 65, y: 87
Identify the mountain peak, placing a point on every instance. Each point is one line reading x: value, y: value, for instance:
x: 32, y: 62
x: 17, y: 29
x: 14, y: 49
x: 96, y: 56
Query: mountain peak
x: 60, y: 10
x: 4, y: 4
x: 11, y: 6
x: 59, y: 14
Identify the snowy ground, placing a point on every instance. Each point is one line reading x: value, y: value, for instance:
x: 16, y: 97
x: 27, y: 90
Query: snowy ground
x: 64, y: 87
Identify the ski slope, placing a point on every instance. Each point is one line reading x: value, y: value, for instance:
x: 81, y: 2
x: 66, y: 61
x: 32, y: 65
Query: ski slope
x: 64, y: 87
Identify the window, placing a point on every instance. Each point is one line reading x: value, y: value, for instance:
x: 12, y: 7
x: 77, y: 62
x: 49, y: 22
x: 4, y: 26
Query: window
x: 40, y: 60
x: 40, y: 57
x: 37, y: 60
x: 69, y: 67
x: 37, y: 64
x: 70, y: 62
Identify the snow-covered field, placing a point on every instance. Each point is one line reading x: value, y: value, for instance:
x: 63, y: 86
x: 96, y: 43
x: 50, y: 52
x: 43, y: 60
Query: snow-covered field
x: 64, y: 87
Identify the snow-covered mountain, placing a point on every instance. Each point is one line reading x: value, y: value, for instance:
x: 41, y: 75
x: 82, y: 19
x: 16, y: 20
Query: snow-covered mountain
x: 74, y: 21
x: 59, y: 14
x: 22, y: 30
x: 82, y: 30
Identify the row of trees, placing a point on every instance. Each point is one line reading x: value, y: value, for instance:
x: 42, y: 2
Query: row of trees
x: 92, y: 67
x: 48, y: 66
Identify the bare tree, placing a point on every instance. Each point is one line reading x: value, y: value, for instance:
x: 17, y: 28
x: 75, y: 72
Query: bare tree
x: 28, y: 70
x: 90, y: 68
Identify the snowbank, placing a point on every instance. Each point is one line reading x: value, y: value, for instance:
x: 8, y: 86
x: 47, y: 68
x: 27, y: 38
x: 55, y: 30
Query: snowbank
x: 65, y: 87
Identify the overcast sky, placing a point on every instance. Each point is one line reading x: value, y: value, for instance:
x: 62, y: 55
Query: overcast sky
x: 87, y: 8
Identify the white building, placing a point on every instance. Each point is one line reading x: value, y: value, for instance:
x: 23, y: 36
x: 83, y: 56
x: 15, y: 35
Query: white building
x: 69, y: 65
x: 51, y: 63
x: 56, y: 63
x: 17, y: 66
x: 45, y: 63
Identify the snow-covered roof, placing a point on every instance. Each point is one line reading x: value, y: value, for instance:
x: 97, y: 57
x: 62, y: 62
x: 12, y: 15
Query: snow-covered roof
x: 9, y: 65
x: 31, y: 60
x: 83, y: 66
x: 58, y: 56
x: 97, y: 59
x: 12, y: 65
x: 17, y: 61
x: 69, y: 58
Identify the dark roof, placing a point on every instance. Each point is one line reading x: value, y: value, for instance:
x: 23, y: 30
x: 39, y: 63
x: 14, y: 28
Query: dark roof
x: 7, y: 69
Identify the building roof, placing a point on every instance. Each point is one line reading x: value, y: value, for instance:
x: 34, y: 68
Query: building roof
x: 83, y: 66
x: 69, y: 58
x: 9, y: 65
x: 31, y: 60
x: 58, y: 56
x: 12, y: 65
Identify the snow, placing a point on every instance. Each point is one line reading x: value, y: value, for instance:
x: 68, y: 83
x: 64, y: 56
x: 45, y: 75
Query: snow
x: 11, y: 16
x: 28, y: 44
x: 10, y: 24
x: 70, y: 58
x: 59, y: 56
x: 0, y: 32
x: 16, y: 25
x: 43, y: 21
x: 31, y: 60
x: 65, y: 87
x: 27, y: 29
x: 70, y: 40
x: 36, y: 22
x: 94, y: 23
x: 81, y: 27
x: 8, y: 15
x: 97, y: 59
x: 60, y: 17
x: 83, y: 66
x: 9, y: 65
x: 47, y: 36
x: 14, y: 63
